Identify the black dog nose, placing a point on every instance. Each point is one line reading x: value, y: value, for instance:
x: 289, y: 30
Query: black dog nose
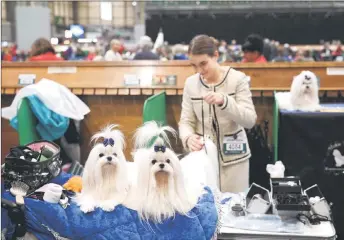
x: 307, y: 86
x: 161, y: 165
x: 109, y: 158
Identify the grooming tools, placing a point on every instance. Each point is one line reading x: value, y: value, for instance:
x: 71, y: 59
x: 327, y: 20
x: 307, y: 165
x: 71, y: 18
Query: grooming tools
x: 19, y: 190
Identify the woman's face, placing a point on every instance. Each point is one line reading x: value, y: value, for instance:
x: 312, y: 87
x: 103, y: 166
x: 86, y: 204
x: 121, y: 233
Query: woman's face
x: 204, y: 64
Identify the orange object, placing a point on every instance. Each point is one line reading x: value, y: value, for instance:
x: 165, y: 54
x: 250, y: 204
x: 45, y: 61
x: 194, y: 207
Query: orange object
x: 74, y: 184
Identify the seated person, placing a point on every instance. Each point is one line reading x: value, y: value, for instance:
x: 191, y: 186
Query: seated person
x: 253, y: 49
x: 42, y: 50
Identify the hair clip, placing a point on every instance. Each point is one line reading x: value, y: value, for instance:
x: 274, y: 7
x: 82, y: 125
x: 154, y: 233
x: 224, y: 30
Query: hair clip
x: 109, y: 141
x: 159, y: 148
x: 307, y: 77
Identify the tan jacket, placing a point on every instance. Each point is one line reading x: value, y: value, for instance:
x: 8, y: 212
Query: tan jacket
x: 230, y: 119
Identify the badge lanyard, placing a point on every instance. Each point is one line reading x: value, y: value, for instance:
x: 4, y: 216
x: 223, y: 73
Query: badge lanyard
x: 210, y: 118
x: 203, y: 127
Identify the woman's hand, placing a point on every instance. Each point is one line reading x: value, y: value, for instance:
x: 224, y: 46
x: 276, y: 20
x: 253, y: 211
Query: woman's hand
x: 214, y: 98
x: 194, y: 143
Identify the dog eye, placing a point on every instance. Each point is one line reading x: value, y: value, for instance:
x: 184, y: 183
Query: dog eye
x: 154, y: 161
x: 168, y: 160
x: 101, y: 154
x: 115, y: 154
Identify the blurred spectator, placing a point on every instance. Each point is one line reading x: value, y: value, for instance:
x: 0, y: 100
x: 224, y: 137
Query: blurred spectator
x: 274, y: 49
x: 234, y: 44
x: 287, y: 51
x: 98, y: 56
x: 162, y: 53
x: 223, y: 47
x: 224, y: 55
x: 113, y: 53
x: 68, y: 54
x: 42, y: 50
x: 299, y: 57
x: 253, y: 49
x: 6, y: 55
x: 338, y: 53
x: 13, y: 49
x: 22, y: 56
x: 145, y: 50
x: 91, y: 55
x: 326, y: 53
x: 180, y: 53
x: 281, y: 56
x: 307, y: 56
x: 121, y: 48
x: 234, y: 51
x: 79, y: 54
x: 267, y: 49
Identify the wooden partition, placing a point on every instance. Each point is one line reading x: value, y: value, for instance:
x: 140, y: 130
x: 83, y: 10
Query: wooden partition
x: 101, y: 86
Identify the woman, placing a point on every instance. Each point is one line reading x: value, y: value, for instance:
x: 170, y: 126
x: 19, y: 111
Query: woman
x: 42, y: 50
x: 217, y: 102
x: 113, y: 53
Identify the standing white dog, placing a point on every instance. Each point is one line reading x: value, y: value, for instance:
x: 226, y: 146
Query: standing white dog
x: 159, y: 192
x: 104, y: 179
x: 303, y: 95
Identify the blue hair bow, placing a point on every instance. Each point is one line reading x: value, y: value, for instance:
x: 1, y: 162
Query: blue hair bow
x: 159, y: 148
x: 109, y: 141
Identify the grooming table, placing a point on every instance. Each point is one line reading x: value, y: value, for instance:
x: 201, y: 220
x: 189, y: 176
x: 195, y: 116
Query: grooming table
x: 323, y: 231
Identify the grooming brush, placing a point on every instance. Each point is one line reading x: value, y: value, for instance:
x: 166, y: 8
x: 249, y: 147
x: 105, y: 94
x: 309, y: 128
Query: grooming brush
x: 19, y: 190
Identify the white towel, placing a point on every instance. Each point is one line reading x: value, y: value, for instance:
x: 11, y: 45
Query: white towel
x: 55, y: 96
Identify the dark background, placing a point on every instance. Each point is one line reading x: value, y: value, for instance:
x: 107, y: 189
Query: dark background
x: 292, y: 28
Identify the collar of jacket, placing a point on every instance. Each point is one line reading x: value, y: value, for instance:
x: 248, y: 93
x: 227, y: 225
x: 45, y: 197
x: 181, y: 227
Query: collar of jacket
x: 218, y: 84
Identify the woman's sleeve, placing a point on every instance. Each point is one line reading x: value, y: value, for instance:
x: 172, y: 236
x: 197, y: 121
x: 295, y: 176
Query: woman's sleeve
x: 239, y: 106
x: 187, y: 121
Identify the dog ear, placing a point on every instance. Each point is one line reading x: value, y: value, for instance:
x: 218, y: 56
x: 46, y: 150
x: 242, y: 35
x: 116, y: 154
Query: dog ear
x: 119, y: 139
x: 88, y: 176
x: 141, y: 158
x: 296, y: 86
x: 183, y: 204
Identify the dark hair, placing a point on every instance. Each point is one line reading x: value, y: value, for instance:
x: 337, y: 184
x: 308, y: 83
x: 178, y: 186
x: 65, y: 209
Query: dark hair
x: 41, y: 46
x: 203, y: 44
x: 307, y: 54
x: 280, y: 51
x: 253, y: 42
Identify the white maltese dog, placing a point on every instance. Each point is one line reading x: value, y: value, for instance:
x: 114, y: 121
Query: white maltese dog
x: 104, y: 180
x: 303, y: 94
x: 159, y: 191
x: 201, y: 169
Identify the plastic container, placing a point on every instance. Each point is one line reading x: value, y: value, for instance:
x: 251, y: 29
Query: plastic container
x: 257, y: 199
x: 321, y: 206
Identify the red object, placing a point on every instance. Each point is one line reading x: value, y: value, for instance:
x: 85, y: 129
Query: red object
x: 121, y: 49
x: 260, y: 59
x: 90, y: 56
x: 338, y: 52
x: 7, y: 57
x: 49, y: 56
x: 13, y: 50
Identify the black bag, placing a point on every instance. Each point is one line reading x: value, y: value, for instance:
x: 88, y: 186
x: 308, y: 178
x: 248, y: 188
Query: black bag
x: 261, y: 154
x: 34, y: 164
